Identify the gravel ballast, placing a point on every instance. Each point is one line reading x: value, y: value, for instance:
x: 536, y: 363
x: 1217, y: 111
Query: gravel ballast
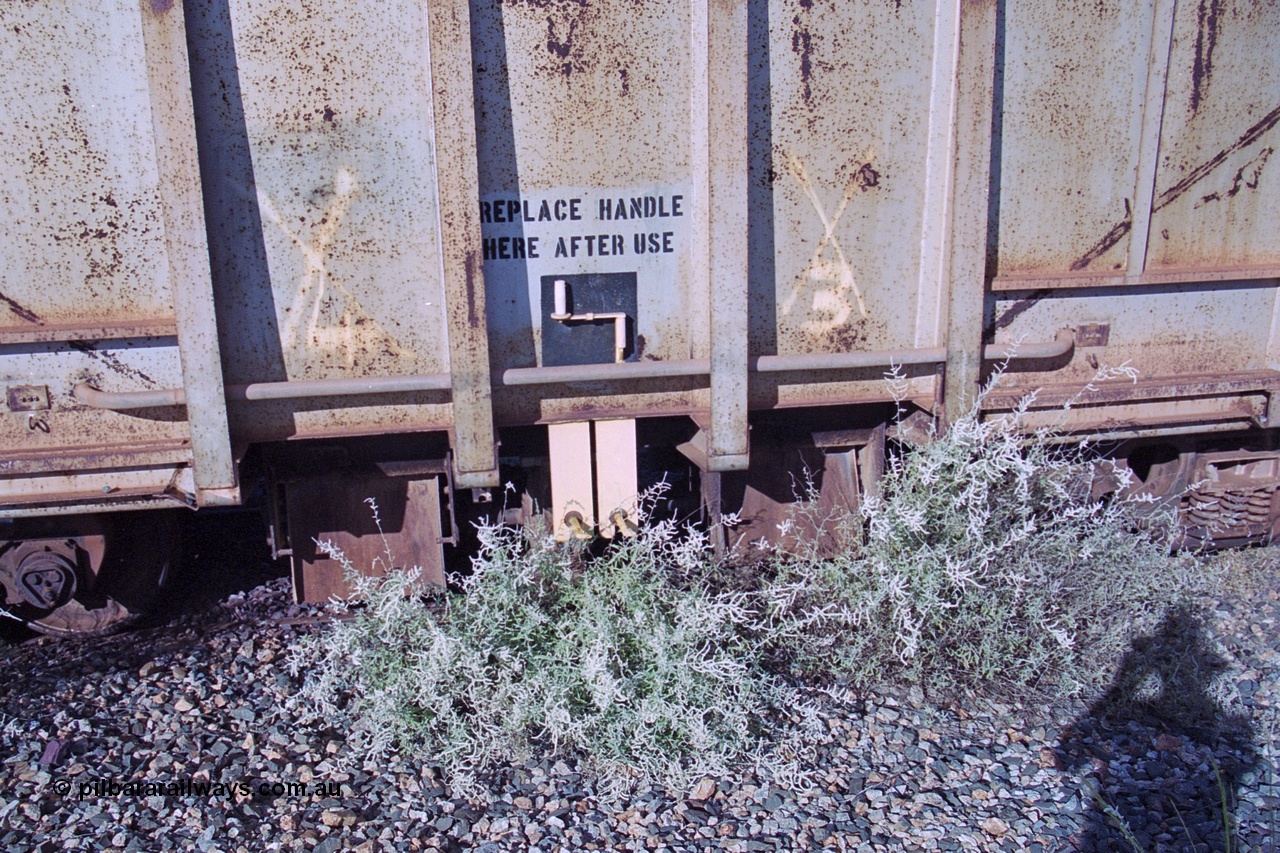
x: 177, y: 736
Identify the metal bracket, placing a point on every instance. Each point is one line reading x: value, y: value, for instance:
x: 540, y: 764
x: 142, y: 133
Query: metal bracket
x: 720, y: 199
x: 965, y: 259
x: 461, y: 270
x: 187, y: 255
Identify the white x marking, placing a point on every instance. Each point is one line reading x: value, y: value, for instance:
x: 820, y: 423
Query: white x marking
x: 832, y: 300
x: 315, y: 276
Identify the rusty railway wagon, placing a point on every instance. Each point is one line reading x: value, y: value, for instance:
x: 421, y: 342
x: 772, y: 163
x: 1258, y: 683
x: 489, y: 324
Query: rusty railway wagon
x: 543, y: 252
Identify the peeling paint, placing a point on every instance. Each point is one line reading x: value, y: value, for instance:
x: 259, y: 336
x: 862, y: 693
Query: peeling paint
x: 1208, y: 19
x: 1246, y: 177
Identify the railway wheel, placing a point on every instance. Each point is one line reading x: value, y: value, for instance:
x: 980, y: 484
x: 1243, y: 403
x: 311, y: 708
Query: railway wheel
x: 86, y: 576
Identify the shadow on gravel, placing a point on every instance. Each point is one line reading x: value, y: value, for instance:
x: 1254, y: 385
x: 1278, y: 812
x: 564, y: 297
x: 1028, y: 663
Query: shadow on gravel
x: 223, y: 552
x: 1160, y: 751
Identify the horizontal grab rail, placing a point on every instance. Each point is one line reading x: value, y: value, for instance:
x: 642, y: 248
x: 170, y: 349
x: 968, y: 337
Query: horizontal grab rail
x: 302, y: 388
x: 295, y: 390
x: 90, y: 396
x: 625, y: 371
x: 605, y: 372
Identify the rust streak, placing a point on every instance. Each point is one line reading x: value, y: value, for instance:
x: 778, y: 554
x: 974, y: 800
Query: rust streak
x: 1206, y: 41
x: 1120, y: 229
x: 110, y: 361
x: 802, y: 46
x: 1197, y: 174
x: 1115, y: 235
x: 471, y: 269
x: 23, y: 313
x: 1241, y: 181
x: 1015, y: 311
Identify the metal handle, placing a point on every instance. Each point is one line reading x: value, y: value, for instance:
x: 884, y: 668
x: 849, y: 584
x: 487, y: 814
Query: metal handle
x: 560, y: 312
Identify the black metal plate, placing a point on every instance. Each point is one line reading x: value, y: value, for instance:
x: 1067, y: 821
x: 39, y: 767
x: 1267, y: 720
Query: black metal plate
x: 587, y: 343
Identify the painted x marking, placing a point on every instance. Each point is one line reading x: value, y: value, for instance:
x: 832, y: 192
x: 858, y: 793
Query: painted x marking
x: 839, y: 272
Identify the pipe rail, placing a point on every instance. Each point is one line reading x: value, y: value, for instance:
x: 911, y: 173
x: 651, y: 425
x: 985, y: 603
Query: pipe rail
x: 86, y: 394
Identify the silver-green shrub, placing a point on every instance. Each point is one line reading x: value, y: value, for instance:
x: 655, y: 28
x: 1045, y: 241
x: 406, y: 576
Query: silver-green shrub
x: 630, y: 661
x: 986, y: 562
